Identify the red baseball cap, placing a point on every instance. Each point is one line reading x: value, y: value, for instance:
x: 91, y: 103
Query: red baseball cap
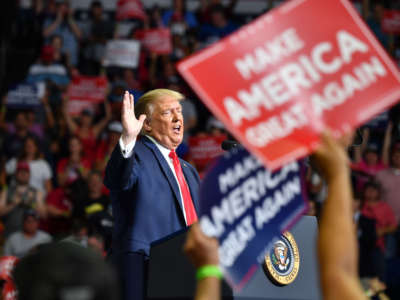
x: 47, y: 53
x: 23, y: 165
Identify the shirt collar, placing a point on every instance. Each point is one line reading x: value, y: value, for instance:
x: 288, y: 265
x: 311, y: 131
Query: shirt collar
x: 164, y: 151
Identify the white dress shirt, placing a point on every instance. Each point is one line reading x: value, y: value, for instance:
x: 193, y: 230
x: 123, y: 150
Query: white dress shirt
x: 127, y: 151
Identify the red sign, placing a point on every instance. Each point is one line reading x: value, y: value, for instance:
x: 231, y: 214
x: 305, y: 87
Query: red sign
x: 391, y: 21
x: 204, y: 149
x: 282, y: 79
x: 130, y: 9
x: 157, y: 40
x: 85, y: 91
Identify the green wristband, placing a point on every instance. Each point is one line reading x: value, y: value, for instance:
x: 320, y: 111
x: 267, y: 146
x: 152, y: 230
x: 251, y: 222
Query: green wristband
x: 208, y: 271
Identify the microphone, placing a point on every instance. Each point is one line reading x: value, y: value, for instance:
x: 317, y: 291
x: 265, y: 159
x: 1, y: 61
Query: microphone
x: 229, y: 144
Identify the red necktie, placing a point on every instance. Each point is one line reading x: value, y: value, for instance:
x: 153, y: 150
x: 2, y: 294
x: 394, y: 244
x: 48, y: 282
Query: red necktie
x: 191, y: 215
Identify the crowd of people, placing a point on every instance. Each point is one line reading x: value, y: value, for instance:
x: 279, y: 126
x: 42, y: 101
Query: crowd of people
x: 52, y: 163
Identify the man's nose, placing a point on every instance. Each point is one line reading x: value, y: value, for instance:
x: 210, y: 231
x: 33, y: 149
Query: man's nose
x: 177, y: 116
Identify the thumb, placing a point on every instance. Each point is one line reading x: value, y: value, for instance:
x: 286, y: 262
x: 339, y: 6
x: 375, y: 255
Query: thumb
x: 142, y: 118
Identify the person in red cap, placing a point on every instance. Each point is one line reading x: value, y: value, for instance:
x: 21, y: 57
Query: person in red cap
x: 19, y: 197
x: 47, y: 69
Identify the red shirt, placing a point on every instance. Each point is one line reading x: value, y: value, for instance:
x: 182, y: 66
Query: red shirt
x: 53, y: 225
x: 73, y: 173
x: 384, y: 216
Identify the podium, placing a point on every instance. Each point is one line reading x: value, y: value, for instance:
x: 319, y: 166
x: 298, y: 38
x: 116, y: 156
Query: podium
x: 171, y: 276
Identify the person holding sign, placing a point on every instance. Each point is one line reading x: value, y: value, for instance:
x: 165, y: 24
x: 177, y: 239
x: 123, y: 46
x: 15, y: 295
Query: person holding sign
x: 337, y: 242
x: 153, y: 192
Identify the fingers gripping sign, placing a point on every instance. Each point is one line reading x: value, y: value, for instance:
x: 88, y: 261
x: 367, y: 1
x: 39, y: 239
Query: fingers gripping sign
x: 131, y: 126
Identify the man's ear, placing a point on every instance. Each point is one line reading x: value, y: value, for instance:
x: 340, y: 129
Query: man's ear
x: 147, y: 125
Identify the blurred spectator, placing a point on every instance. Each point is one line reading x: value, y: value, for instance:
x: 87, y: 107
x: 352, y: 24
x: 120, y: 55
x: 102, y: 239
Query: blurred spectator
x: 106, y: 147
x: 367, y: 160
x: 19, y: 197
x: 64, y: 25
x: 389, y: 179
x: 96, y: 201
x: 65, y: 271
x: 21, y: 242
x: 84, y: 129
x: 155, y: 19
x: 79, y: 234
x: 204, y: 11
x: 367, y: 237
x: 312, y: 208
x: 373, y: 13
x: 59, y: 211
x: 218, y: 27
x: 56, y: 41
x: 215, y: 127
x: 14, y: 141
x: 96, y: 34
x: 47, y: 69
x: 40, y: 177
x: 75, y: 165
x: 179, y: 19
x: 96, y: 243
x: 374, y: 208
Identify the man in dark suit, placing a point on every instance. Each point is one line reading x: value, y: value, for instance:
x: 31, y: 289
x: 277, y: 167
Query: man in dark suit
x: 153, y: 192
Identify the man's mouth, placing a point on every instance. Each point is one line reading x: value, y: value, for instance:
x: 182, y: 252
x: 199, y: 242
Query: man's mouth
x: 177, y: 128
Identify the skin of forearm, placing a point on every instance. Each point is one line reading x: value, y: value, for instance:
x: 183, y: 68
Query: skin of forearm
x: 208, y: 289
x: 337, y: 222
x: 7, y: 208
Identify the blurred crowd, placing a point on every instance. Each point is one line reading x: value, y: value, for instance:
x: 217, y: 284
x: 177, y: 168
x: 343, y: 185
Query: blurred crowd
x: 52, y: 161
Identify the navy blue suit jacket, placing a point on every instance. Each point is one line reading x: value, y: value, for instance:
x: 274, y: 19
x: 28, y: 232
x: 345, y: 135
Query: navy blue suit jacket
x: 145, y: 197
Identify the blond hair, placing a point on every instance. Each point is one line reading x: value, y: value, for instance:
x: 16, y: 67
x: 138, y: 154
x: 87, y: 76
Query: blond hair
x: 145, y: 103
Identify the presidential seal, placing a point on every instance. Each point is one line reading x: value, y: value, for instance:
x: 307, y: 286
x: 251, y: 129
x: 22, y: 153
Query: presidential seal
x: 282, y: 261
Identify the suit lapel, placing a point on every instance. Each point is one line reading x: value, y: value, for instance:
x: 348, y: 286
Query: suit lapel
x: 166, y: 170
x: 187, y: 174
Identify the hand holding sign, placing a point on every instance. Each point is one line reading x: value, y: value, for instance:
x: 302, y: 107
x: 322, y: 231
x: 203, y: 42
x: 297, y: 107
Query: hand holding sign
x: 331, y: 156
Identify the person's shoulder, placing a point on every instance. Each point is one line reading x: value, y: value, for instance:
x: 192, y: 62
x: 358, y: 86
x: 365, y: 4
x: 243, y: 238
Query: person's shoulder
x: 382, y: 173
x: 15, y: 236
x: 43, y: 235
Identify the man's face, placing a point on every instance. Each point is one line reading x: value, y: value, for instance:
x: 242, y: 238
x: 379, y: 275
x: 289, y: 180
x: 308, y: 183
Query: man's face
x: 166, y: 122
x: 95, y: 182
x: 22, y: 176
x: 21, y: 121
x: 31, y: 225
x: 371, y: 194
x: 396, y: 159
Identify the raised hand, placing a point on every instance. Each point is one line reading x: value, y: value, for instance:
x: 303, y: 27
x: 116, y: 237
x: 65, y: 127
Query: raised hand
x: 331, y: 156
x: 201, y: 249
x: 131, y: 126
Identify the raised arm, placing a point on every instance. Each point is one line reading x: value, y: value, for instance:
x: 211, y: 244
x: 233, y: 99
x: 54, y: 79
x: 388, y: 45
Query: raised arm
x: 358, y: 151
x: 337, y: 242
x: 386, y: 144
x: 48, y: 111
x: 120, y: 167
x: 72, y: 24
x: 103, y: 122
x: 52, y: 27
x: 72, y: 126
x: 6, y: 208
x: 203, y: 253
x: 41, y: 206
